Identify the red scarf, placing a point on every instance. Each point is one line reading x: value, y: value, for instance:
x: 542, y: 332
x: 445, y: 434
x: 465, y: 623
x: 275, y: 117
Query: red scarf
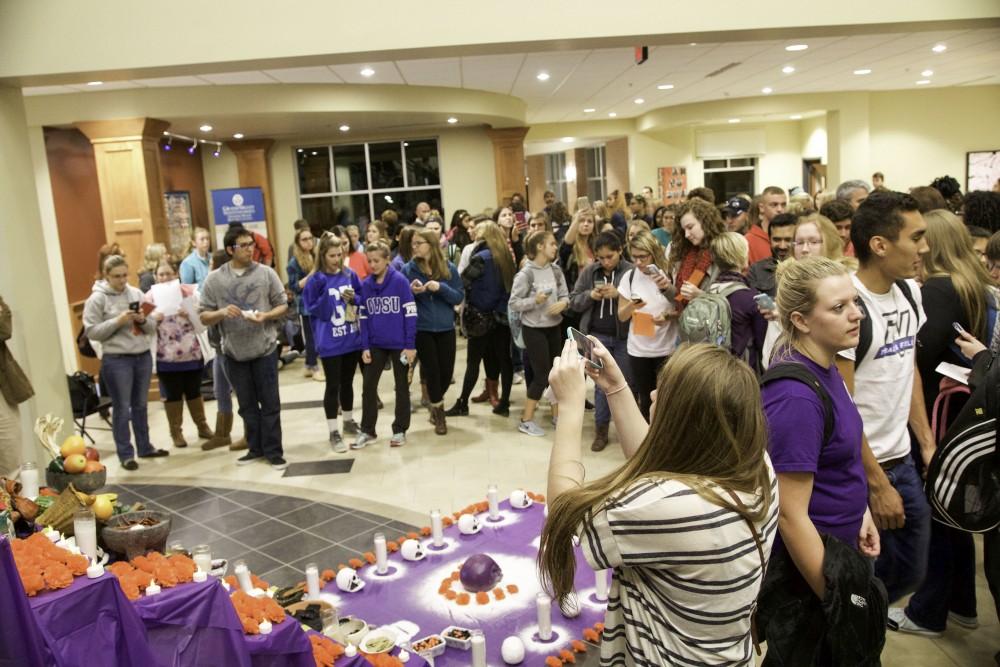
x: 696, y: 259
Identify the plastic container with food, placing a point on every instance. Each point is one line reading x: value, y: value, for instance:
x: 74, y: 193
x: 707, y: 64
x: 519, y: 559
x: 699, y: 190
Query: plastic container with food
x: 457, y: 637
x: 378, y: 641
x: 430, y: 646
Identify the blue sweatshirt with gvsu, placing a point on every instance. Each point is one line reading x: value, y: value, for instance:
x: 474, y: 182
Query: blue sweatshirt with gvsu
x: 324, y: 303
x: 388, y: 313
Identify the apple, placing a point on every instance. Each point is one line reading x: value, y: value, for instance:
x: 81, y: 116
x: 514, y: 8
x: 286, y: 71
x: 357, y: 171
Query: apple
x: 92, y: 454
x: 102, y: 508
x: 93, y: 466
x: 75, y: 463
x: 74, y: 444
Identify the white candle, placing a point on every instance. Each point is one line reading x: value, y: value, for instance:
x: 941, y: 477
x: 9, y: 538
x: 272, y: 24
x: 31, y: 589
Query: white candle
x: 94, y: 570
x: 381, y: 555
x: 225, y: 584
x: 403, y: 655
x: 202, y: 557
x: 478, y: 642
x: 350, y: 650
x: 29, y: 480
x: 265, y: 627
x: 312, y: 581
x: 153, y: 588
x: 85, y: 530
x: 543, y: 605
x: 437, y: 531
x: 54, y: 536
x: 492, y: 495
x: 199, y: 576
x: 242, y: 573
x: 601, y: 582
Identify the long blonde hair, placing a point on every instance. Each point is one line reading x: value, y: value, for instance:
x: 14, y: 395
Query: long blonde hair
x: 155, y: 252
x: 305, y: 259
x: 951, y: 256
x: 326, y: 242
x: 496, y: 240
x: 646, y: 242
x: 434, y: 267
x: 583, y: 246
x: 704, y: 395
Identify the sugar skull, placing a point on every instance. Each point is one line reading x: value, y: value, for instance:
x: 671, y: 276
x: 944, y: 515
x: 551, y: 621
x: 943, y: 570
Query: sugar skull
x: 520, y: 500
x: 349, y: 581
x: 468, y: 524
x: 412, y: 550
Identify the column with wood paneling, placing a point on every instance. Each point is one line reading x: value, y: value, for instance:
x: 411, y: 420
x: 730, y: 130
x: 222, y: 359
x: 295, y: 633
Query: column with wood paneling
x: 254, y: 170
x: 508, y: 160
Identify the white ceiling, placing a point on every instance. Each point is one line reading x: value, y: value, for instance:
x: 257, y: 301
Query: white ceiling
x: 608, y: 80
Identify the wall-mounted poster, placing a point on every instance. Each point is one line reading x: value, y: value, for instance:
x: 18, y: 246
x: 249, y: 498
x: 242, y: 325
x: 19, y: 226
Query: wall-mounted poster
x: 177, y: 207
x: 673, y: 184
x: 982, y: 170
x: 244, y: 205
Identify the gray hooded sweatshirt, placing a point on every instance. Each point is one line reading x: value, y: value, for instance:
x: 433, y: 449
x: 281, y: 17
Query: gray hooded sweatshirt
x: 100, y: 313
x: 530, y: 281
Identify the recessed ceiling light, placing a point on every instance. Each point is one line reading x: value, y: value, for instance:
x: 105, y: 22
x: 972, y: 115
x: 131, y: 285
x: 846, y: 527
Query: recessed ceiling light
x: 542, y: 76
x: 639, y: 100
x: 95, y: 83
x: 665, y: 86
x: 367, y: 72
x: 862, y: 72
x: 734, y: 120
x: 767, y: 90
x: 796, y: 117
x: 238, y: 135
x: 345, y: 128
x: 205, y: 128
x: 589, y: 110
x: 693, y: 44
x: 939, y: 48
x: 923, y: 82
x: 927, y: 72
x: 567, y: 140
x: 787, y: 69
x: 452, y: 120
x: 796, y: 47
x: 612, y: 114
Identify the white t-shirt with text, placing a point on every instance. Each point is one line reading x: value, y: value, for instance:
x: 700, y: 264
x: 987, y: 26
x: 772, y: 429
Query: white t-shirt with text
x: 664, y: 340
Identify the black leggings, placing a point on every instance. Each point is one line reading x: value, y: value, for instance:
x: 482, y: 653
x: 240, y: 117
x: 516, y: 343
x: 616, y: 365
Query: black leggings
x: 369, y: 391
x: 339, y: 373
x: 178, y: 385
x: 493, y: 348
x: 436, y: 351
x: 542, y: 345
x: 644, y: 373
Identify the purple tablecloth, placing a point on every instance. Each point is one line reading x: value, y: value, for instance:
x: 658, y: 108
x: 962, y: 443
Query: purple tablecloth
x: 410, y: 591
x: 286, y: 646
x: 21, y: 643
x: 359, y: 660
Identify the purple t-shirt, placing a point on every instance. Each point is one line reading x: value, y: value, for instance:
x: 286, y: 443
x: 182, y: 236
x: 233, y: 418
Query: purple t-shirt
x: 795, y: 428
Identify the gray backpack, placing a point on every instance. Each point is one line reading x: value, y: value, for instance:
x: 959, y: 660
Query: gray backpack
x: 708, y: 318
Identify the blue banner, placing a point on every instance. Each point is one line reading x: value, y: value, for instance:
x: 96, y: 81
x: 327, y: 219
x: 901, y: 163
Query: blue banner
x: 243, y: 205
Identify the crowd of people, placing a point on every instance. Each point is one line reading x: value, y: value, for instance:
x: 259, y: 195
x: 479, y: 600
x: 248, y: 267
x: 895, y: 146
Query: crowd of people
x: 798, y: 334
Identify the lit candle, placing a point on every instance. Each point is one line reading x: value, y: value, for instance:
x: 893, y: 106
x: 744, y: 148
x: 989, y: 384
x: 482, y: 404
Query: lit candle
x: 242, y: 573
x: 199, y: 576
x: 202, y: 557
x: 94, y: 570
x: 350, y: 650
x: 543, y: 605
x: 403, y: 655
x: 265, y: 627
x: 153, y: 588
x: 437, y: 532
x: 478, y: 642
x: 381, y: 555
x: 312, y: 581
x: 54, y: 536
x: 601, y: 581
x: 493, y: 496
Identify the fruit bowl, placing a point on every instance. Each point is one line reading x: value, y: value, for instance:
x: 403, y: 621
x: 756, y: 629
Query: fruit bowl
x: 86, y: 482
x: 124, y: 534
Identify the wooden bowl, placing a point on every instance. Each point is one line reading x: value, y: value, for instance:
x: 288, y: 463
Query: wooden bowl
x: 86, y: 482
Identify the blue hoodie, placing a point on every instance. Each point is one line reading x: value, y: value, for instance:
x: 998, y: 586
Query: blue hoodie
x: 323, y: 303
x: 388, y: 313
x: 484, y: 288
x: 436, y: 310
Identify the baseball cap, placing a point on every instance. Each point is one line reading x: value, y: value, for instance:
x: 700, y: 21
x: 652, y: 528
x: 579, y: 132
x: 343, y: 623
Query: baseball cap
x: 736, y: 205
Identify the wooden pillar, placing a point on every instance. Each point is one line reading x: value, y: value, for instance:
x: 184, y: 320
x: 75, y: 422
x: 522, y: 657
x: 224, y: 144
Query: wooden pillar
x: 254, y: 170
x: 508, y: 160
x: 128, y: 173
x: 582, y: 173
x: 616, y: 165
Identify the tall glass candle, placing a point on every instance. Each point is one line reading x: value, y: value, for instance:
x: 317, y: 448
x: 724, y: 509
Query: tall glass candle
x: 437, y: 531
x: 493, y: 496
x: 202, y: 557
x: 85, y: 529
x: 381, y: 555
x: 478, y: 642
x: 543, y: 605
x: 29, y: 480
x: 242, y: 573
x: 312, y: 581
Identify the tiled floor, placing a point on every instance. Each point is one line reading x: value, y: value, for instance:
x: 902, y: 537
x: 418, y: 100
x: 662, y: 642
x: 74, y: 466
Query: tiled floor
x: 330, y: 517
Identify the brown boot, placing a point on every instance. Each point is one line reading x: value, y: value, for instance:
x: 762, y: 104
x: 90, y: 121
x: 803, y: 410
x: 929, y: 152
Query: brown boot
x: 437, y: 414
x: 483, y: 397
x: 196, y: 407
x: 223, y: 427
x: 493, y: 387
x: 175, y: 417
x: 240, y: 444
x: 600, y: 438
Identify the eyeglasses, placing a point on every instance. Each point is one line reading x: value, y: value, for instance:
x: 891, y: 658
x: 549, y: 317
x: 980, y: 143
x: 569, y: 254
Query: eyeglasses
x: 808, y: 242
x: 244, y: 246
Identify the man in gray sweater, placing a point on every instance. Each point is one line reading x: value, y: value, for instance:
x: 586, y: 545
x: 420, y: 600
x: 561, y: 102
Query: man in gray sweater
x: 247, y: 300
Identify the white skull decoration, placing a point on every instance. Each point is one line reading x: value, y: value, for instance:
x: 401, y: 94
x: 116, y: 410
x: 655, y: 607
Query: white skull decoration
x: 468, y: 524
x: 412, y: 550
x: 349, y: 581
x: 520, y: 500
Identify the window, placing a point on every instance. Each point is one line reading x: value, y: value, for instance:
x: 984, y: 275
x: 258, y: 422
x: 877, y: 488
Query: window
x: 354, y: 183
x: 597, y: 184
x: 731, y: 176
x: 555, y: 175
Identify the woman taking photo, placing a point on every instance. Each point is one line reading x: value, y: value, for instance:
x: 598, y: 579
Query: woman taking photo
x: 112, y: 316
x: 328, y: 298
x: 301, y: 266
x: 685, y: 524
x: 437, y: 289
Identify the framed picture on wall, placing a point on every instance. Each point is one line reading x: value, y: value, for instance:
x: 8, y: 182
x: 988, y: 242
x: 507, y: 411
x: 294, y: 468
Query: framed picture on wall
x: 673, y: 184
x: 982, y: 170
x: 177, y: 206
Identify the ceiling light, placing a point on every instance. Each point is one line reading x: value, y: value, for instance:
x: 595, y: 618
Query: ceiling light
x: 665, y: 86
x: 589, y: 110
x: 542, y: 76
x: 787, y: 69
x: 167, y: 146
x: 315, y: 153
x: 796, y: 116
x: 345, y: 128
x: 927, y: 72
x: 205, y: 128
x: 939, y: 48
x: 923, y: 82
x: 612, y: 114
x: 194, y: 147
x: 452, y: 120
x: 734, y: 120
x: 95, y: 83
x: 166, y: 134
x: 862, y: 72
x: 796, y: 47
x: 767, y: 90
x: 238, y: 135
x: 567, y: 140
x: 367, y: 72
x: 217, y: 151
x: 693, y: 44
x: 639, y: 100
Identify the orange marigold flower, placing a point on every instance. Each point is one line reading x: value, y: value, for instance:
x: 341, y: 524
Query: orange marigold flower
x: 370, y: 557
x: 356, y: 563
x: 463, y: 599
x: 567, y: 656
x: 482, y: 598
x: 553, y: 661
x: 512, y: 589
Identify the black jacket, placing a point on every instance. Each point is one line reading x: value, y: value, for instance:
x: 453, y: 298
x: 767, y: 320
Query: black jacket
x: 846, y: 628
x: 580, y: 301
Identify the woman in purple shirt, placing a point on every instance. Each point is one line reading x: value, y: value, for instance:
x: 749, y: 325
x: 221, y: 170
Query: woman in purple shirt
x: 821, y: 481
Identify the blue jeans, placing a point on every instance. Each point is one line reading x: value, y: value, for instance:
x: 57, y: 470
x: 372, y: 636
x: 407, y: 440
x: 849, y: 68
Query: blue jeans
x: 312, y: 360
x: 221, y: 387
x: 950, y: 584
x: 903, y: 562
x: 127, y: 377
x: 619, y: 350
x: 256, y: 385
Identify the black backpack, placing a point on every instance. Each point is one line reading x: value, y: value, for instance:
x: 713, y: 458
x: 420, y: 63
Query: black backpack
x: 963, y: 478
x: 794, y: 370
x: 865, y: 335
x: 83, y: 392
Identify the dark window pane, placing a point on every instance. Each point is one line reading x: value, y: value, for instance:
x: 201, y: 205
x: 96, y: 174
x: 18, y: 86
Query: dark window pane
x: 405, y: 202
x: 715, y: 164
x: 351, y: 210
x: 319, y: 212
x: 727, y: 184
x: 422, y: 163
x: 349, y: 168
x: 387, y: 165
x: 741, y: 162
x: 314, y: 170
x: 595, y: 189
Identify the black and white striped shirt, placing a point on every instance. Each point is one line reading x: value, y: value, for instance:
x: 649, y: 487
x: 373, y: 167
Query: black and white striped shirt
x: 686, y: 575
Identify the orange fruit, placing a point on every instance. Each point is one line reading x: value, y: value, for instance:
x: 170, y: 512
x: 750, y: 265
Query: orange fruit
x: 75, y: 463
x: 74, y: 444
x: 93, y: 466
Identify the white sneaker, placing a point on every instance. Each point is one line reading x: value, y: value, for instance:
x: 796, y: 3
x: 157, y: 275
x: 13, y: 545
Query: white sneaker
x: 530, y: 428
x: 518, y: 378
x: 319, y: 375
x: 967, y: 622
x: 397, y: 440
x: 337, y: 440
x: 363, y: 440
x: 899, y: 621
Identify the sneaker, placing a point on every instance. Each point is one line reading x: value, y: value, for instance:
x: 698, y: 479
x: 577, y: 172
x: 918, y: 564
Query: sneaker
x: 397, y: 440
x: 278, y: 463
x: 530, y: 428
x: 587, y: 405
x: 155, y: 454
x: 248, y: 458
x: 337, y: 440
x: 319, y: 375
x: 130, y: 465
x: 364, y: 439
x: 502, y: 409
x: 308, y: 371
x: 350, y: 427
x: 899, y: 621
x: 555, y: 422
x: 518, y: 377
x: 968, y: 622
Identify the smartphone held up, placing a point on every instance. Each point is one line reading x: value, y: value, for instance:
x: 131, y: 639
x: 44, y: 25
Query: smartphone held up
x: 585, y: 346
